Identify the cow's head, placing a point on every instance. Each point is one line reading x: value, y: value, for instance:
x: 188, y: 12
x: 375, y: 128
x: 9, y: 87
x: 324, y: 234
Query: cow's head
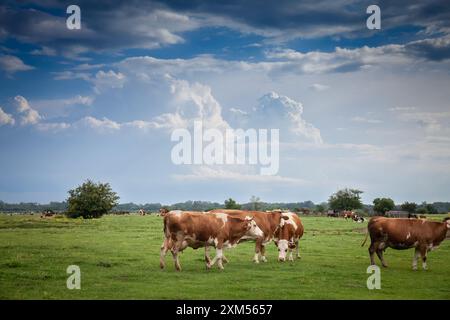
x: 447, y: 220
x: 252, y: 228
x: 282, y: 244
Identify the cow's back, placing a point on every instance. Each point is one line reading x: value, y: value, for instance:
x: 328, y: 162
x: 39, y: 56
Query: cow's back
x: 404, y: 233
x: 262, y: 219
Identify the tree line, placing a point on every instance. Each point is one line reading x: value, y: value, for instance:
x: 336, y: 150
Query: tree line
x: 92, y: 200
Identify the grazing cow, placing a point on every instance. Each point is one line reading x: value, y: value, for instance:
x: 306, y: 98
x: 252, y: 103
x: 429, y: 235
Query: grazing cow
x: 141, y: 212
x: 348, y: 214
x: 401, y: 233
x: 48, y: 214
x: 358, y: 219
x: 412, y: 216
x: 268, y: 222
x: 184, y: 229
x: 332, y: 214
x: 287, y: 236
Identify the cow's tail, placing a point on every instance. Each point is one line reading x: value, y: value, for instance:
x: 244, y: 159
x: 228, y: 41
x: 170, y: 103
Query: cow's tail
x: 365, y: 239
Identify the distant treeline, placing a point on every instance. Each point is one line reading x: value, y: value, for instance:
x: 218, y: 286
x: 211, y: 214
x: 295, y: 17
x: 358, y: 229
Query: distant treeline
x: 188, y: 205
x: 152, y: 207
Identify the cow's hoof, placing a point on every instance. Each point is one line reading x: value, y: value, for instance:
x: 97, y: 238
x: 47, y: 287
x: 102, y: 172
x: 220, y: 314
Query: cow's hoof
x: 384, y: 265
x: 161, y: 266
x: 414, y: 268
x: 263, y: 259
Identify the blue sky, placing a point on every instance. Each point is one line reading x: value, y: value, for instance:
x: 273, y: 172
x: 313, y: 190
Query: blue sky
x: 358, y: 108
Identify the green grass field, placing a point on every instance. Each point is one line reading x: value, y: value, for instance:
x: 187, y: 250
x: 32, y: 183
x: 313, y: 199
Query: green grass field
x: 119, y: 259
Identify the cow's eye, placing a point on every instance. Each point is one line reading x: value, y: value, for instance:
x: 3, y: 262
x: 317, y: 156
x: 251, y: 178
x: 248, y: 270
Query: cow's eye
x: 285, y: 250
x: 279, y: 250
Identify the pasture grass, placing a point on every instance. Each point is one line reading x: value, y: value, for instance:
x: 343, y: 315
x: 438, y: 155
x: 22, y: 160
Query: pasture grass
x: 119, y: 259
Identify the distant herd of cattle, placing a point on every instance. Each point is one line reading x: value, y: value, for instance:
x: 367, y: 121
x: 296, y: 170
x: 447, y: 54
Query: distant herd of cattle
x: 223, y: 229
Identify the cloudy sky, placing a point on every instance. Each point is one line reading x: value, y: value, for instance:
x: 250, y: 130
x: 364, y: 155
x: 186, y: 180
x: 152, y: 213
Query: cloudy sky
x: 367, y: 109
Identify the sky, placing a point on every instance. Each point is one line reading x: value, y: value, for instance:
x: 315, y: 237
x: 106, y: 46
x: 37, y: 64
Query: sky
x: 356, y: 108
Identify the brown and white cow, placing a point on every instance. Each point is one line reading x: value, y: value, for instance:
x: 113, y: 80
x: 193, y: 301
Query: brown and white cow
x: 184, y: 229
x: 403, y: 233
x: 287, y: 236
x: 268, y: 222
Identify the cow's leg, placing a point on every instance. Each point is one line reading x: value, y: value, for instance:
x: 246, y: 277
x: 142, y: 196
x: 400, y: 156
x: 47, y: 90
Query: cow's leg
x: 372, y: 253
x: 207, y: 258
x: 163, y: 252
x: 380, y: 256
x: 176, y: 249
x: 263, y: 252
x: 297, y: 249
x: 258, y: 245
x: 291, y: 258
x: 218, y: 257
x: 415, y: 258
x: 423, y: 253
x: 224, y: 259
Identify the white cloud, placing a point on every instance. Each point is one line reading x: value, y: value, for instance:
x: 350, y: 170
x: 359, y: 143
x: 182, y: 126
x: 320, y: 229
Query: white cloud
x: 281, y: 112
x: 195, y: 102
x: 104, y: 124
x: 366, y: 120
x: 11, y: 64
x: 30, y: 115
x: 319, y: 87
x: 206, y: 173
x: 44, y: 51
x: 107, y: 80
x: 53, y: 126
x: 238, y: 111
x: 395, y: 109
x: 6, y: 118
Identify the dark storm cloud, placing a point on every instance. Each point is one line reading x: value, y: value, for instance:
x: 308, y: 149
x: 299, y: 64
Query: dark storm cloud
x: 111, y: 26
x: 430, y: 49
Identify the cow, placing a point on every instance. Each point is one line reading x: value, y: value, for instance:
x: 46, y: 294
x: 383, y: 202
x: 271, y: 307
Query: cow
x: 48, y: 214
x: 141, y: 212
x: 358, y: 219
x: 332, y: 214
x: 348, y: 215
x: 404, y: 233
x: 268, y: 222
x: 287, y: 236
x: 184, y: 229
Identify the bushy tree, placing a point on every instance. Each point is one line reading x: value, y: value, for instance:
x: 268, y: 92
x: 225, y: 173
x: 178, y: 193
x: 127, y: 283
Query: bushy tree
x: 319, y: 208
x: 91, y: 200
x: 231, y: 204
x: 382, y: 205
x: 346, y: 199
x: 409, y: 207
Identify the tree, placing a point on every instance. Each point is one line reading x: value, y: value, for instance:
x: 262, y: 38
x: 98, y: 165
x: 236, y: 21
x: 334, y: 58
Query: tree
x: 255, y: 201
x: 382, y: 205
x: 431, y: 209
x: 319, y: 208
x: 409, y: 207
x: 426, y: 208
x: 91, y: 200
x: 346, y: 199
x: 231, y: 204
